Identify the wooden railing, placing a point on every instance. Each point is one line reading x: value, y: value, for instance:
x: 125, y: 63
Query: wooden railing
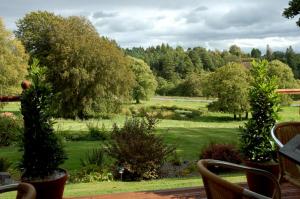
x: 25, y: 85
x: 288, y: 91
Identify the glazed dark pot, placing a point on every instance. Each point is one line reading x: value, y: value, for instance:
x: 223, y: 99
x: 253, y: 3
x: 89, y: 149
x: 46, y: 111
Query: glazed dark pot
x: 261, y: 184
x: 49, y: 189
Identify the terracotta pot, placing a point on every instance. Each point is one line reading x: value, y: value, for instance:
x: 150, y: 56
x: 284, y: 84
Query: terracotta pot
x: 49, y: 189
x: 261, y: 184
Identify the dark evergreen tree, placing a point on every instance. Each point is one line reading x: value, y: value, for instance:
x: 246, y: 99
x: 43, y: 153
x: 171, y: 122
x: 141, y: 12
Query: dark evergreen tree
x: 255, y: 53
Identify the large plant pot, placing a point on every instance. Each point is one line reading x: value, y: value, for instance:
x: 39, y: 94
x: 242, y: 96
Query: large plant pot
x: 50, y: 188
x: 259, y: 183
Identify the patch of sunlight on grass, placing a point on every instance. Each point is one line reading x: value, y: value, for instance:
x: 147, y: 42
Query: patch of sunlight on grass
x: 96, y: 188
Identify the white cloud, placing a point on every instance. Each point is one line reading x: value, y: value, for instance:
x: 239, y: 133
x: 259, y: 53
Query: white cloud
x: 212, y: 24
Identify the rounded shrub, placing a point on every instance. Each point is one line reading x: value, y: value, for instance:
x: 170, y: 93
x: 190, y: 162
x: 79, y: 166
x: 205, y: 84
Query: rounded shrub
x: 224, y: 152
x: 10, y: 129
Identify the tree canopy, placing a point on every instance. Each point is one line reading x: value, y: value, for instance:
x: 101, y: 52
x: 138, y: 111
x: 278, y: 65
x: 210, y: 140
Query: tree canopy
x: 283, y: 73
x: 13, y: 63
x: 85, y: 70
x: 293, y: 10
x: 230, y: 84
x: 146, y: 84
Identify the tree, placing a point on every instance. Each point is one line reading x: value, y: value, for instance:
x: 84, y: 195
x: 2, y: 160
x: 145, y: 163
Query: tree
x: 195, y: 58
x: 145, y: 80
x: 293, y: 10
x: 230, y: 84
x: 13, y: 63
x: 206, y: 59
x: 192, y: 85
x: 285, y: 78
x: 291, y: 60
x: 235, y: 50
x: 283, y: 73
x: 279, y: 55
x: 255, y: 53
x: 87, y: 71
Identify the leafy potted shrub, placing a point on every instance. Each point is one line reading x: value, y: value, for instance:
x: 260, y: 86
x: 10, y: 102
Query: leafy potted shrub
x: 257, y: 146
x: 42, y: 150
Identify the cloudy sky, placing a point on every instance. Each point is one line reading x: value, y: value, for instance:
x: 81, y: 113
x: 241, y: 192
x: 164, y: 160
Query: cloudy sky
x: 214, y: 24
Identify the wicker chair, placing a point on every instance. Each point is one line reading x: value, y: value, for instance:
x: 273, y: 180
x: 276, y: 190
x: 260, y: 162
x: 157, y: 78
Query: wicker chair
x: 218, y: 188
x: 24, y: 190
x: 282, y: 133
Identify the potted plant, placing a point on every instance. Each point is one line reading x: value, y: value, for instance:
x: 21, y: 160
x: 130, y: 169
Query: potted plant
x: 257, y: 146
x: 42, y: 150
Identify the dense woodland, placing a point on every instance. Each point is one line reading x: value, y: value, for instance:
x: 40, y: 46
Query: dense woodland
x: 175, y: 68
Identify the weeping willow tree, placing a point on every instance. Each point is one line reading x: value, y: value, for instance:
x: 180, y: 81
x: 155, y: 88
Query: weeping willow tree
x: 88, y: 73
x: 13, y: 63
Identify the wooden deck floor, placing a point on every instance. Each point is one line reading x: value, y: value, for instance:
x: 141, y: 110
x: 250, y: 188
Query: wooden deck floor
x: 288, y: 192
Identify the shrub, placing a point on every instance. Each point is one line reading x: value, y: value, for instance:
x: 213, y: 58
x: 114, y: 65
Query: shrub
x: 256, y: 142
x: 94, y: 157
x: 43, y: 151
x: 10, y: 130
x: 137, y: 149
x: 93, y: 168
x: 4, y: 164
x: 88, y: 174
x: 97, y: 133
x: 224, y: 152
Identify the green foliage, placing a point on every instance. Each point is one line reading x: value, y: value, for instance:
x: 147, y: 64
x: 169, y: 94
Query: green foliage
x: 4, y: 164
x: 192, y: 86
x: 235, y: 50
x: 292, y: 11
x: 145, y: 80
x: 230, y: 84
x: 94, y: 157
x: 42, y: 150
x: 164, y: 87
x: 255, y: 53
x: 255, y: 139
x: 86, y: 71
x: 89, y: 174
x: 137, y: 149
x: 96, y: 132
x: 283, y: 73
x: 10, y: 130
x: 293, y: 61
x: 13, y: 63
x: 165, y: 112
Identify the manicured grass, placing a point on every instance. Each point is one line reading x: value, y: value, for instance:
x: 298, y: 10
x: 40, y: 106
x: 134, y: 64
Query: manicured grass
x: 75, y: 151
x: 189, y: 136
x: 96, y: 188
x: 85, y: 189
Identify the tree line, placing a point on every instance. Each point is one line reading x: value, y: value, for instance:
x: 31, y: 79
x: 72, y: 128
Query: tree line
x: 91, y: 75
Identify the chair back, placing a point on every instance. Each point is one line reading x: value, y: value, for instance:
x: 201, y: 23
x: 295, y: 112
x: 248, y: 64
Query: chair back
x: 282, y: 133
x: 24, y: 190
x: 218, y: 188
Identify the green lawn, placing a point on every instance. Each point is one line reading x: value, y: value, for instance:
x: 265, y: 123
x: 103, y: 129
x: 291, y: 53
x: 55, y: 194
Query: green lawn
x: 188, y: 136
x: 96, y: 188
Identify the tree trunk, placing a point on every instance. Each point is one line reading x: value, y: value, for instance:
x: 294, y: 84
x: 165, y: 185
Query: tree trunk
x: 246, y: 115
